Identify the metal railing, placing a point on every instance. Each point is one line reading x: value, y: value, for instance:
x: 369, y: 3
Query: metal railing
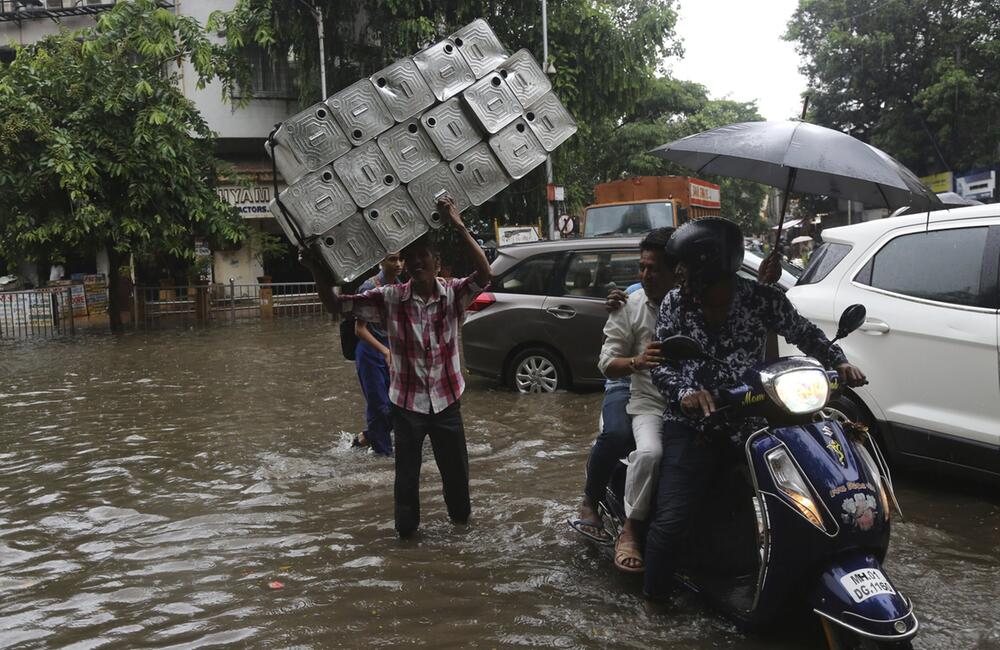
x: 224, y: 302
x: 36, y: 312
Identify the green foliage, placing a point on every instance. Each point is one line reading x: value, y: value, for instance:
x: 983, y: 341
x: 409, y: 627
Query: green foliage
x: 917, y: 79
x: 99, y: 146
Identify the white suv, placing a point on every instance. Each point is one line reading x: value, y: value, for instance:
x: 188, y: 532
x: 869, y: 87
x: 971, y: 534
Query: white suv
x: 929, y: 344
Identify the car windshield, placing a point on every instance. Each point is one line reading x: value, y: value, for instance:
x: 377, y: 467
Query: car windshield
x: 629, y: 219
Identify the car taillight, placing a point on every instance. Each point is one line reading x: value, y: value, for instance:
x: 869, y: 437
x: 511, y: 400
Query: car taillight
x: 482, y: 301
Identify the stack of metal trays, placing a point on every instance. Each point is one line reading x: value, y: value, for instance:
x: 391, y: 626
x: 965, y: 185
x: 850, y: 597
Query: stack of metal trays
x: 365, y: 167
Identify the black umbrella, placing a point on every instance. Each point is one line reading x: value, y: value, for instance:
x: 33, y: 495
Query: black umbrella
x: 802, y: 157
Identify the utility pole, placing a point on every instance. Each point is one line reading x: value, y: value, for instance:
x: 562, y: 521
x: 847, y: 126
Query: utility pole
x: 548, y: 157
x: 317, y: 15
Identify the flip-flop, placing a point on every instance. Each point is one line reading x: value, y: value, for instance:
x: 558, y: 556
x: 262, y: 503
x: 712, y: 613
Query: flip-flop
x: 356, y: 443
x: 604, y: 538
x: 628, y: 551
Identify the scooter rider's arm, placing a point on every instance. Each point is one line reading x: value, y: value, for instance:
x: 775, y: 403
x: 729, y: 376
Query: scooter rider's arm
x: 782, y: 317
x: 676, y: 380
x: 614, y: 361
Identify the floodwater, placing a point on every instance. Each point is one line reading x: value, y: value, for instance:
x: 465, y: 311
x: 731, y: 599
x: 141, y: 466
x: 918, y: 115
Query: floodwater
x: 156, y: 490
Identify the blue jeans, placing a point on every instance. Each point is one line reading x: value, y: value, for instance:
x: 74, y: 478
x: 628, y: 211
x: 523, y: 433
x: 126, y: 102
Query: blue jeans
x: 374, y: 377
x: 688, y: 468
x: 614, y: 442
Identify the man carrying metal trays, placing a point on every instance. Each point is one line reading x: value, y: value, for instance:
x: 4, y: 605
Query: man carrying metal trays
x: 422, y: 318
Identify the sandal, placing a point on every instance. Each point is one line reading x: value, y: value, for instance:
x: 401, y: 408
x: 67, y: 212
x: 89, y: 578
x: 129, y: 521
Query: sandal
x: 602, y: 536
x: 359, y: 442
x: 628, y: 551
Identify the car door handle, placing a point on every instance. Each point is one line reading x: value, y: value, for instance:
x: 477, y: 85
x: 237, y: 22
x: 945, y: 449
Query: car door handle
x: 562, y: 311
x: 875, y: 327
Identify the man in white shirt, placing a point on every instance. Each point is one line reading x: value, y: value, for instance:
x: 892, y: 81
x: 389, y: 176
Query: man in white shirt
x: 627, y: 334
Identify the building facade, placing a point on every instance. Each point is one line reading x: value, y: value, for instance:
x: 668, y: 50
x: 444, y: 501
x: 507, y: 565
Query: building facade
x: 241, y: 132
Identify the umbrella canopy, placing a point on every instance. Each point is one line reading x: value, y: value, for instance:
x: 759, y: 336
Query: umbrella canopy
x: 824, y: 161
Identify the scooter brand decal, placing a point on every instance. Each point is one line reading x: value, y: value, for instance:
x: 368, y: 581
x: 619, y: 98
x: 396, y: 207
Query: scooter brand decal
x: 834, y: 446
x: 859, y: 511
x: 827, y: 431
x: 851, y: 485
x: 750, y: 398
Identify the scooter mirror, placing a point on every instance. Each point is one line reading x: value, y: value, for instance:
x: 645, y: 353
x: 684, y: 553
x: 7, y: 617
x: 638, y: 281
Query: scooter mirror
x: 852, y: 318
x: 681, y: 348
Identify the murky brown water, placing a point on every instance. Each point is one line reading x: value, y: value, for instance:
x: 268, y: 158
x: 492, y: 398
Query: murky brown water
x: 153, y: 485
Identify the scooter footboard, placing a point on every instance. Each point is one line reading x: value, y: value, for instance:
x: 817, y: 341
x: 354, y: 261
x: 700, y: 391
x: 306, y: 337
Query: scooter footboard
x: 854, y: 592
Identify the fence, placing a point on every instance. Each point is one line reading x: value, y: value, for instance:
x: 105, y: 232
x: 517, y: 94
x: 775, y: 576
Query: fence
x: 157, y: 306
x: 38, y: 312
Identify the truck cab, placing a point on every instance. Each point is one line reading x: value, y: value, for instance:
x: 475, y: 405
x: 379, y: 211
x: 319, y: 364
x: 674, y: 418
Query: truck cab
x: 633, y: 206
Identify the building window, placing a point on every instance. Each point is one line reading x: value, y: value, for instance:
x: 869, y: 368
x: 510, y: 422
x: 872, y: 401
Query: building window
x: 270, y: 75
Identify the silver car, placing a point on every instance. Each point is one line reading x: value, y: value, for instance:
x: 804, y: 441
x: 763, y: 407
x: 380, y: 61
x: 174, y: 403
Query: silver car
x: 540, y: 325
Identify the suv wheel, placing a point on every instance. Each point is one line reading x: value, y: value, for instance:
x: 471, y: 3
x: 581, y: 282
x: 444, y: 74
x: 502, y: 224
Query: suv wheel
x: 536, y: 370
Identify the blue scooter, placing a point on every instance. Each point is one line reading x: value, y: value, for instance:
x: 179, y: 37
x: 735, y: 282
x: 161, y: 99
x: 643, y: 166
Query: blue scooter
x: 803, y: 517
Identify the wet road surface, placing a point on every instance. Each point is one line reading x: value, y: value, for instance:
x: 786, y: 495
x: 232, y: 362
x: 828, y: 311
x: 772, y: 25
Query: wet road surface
x: 155, y: 488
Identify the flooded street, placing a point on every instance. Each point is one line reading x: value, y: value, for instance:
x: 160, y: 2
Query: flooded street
x: 154, y: 488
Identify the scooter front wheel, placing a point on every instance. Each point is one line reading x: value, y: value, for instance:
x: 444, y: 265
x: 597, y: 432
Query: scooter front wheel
x: 839, y: 638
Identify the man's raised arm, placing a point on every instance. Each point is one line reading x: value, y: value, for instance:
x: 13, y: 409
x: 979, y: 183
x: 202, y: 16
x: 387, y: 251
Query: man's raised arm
x: 482, y: 265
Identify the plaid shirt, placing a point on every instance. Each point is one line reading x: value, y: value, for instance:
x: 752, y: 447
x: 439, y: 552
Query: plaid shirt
x: 425, y: 375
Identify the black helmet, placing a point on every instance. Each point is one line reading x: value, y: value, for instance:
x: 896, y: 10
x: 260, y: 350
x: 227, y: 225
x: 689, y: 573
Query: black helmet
x: 710, y: 248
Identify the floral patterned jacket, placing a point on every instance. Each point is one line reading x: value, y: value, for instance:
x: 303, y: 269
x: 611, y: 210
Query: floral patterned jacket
x: 740, y: 342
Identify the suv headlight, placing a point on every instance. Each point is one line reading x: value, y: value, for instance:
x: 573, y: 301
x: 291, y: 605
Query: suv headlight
x: 798, y: 385
x: 788, y: 479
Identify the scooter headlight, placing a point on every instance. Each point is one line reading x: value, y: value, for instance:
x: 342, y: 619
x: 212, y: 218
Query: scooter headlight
x: 801, y: 391
x: 788, y: 479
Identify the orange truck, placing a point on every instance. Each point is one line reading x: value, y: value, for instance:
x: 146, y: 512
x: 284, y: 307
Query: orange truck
x: 637, y: 205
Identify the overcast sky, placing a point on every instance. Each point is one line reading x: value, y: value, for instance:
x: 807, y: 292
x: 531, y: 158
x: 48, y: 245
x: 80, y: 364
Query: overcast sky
x: 734, y: 48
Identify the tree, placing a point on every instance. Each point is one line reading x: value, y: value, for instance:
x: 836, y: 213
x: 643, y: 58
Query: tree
x: 606, y: 53
x: 100, y: 148
x: 672, y: 109
x: 917, y: 79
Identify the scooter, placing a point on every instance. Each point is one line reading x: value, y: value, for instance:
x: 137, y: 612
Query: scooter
x: 803, y: 517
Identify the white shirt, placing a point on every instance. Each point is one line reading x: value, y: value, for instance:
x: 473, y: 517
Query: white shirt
x: 626, y: 334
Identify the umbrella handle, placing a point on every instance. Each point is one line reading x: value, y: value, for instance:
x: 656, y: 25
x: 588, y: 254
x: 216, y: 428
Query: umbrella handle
x: 792, y: 173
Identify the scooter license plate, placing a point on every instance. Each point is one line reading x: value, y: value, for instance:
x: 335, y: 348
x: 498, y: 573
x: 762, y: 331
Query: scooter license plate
x: 865, y: 583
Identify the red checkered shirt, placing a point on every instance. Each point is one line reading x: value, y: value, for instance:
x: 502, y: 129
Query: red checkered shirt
x: 425, y: 374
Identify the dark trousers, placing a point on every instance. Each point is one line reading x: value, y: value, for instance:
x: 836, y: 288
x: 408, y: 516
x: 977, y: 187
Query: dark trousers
x: 373, y: 374
x: 448, y: 442
x: 690, y: 464
x: 613, y: 442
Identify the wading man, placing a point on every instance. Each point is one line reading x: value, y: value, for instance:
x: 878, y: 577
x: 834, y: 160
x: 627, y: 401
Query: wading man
x: 421, y: 318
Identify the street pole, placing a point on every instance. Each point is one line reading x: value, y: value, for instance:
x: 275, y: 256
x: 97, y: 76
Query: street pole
x: 317, y: 15
x: 548, y: 157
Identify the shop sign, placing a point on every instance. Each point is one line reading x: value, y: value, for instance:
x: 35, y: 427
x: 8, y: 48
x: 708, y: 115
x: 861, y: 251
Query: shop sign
x: 251, y: 201
x: 980, y: 186
x: 704, y: 194
x: 938, y: 183
x: 516, y: 235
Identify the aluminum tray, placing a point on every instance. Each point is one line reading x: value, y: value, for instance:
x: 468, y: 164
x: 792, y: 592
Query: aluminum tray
x: 550, y: 121
x: 409, y: 150
x: 518, y: 149
x: 360, y: 111
x: 318, y: 202
x: 426, y: 189
x: 525, y: 78
x: 349, y: 248
x: 395, y: 220
x: 451, y: 128
x: 366, y: 174
x: 493, y: 102
x: 480, y: 47
x: 444, y: 69
x: 480, y: 174
x: 403, y: 90
x: 312, y: 138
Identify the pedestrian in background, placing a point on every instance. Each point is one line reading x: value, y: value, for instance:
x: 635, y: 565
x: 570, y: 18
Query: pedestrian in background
x: 372, y: 358
x: 422, y: 319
